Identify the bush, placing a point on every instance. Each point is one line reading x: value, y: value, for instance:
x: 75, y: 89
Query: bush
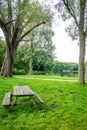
x: 19, y: 72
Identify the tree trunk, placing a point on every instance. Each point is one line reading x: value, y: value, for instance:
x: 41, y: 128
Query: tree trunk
x: 7, y: 66
x: 81, y: 68
x: 30, y: 66
x: 82, y: 38
x: 31, y: 54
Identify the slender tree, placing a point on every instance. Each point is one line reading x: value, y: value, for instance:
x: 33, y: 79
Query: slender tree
x: 78, y: 10
x: 16, y: 18
x: 31, y: 54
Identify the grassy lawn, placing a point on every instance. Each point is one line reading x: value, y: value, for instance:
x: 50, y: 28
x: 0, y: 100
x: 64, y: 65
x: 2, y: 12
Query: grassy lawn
x: 64, y: 108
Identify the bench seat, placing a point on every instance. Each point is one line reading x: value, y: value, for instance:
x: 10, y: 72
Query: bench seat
x: 6, y: 100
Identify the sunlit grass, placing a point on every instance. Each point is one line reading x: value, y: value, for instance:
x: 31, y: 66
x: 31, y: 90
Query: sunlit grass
x: 64, y: 108
x: 48, y: 77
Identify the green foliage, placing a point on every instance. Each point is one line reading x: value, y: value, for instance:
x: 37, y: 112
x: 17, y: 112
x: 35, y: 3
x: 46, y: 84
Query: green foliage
x: 34, y: 14
x: 26, y: 11
x: 64, y: 108
x: 22, y: 58
x: 42, y: 59
x: 42, y: 51
x: 43, y: 62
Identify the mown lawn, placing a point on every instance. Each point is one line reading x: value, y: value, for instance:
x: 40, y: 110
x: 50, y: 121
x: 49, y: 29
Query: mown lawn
x: 64, y: 108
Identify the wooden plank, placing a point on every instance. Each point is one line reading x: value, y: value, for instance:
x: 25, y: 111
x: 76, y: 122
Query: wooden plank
x: 15, y: 90
x: 25, y: 91
x: 30, y: 91
x: 6, y: 101
x: 22, y: 91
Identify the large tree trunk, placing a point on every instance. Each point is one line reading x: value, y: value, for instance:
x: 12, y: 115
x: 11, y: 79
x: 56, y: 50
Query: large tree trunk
x: 81, y: 69
x: 7, y: 66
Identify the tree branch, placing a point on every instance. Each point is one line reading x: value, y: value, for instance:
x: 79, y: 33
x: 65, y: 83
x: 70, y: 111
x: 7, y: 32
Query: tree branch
x: 70, y: 10
x: 9, y: 9
x: 38, y: 24
x: 10, y: 21
x: 26, y: 40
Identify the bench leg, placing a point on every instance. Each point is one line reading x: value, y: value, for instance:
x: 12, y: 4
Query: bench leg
x: 14, y: 101
x: 34, y: 103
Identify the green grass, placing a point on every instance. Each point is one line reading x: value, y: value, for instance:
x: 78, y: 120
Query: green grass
x: 64, y: 108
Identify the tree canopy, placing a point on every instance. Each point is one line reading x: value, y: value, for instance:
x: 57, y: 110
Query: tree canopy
x: 17, y: 19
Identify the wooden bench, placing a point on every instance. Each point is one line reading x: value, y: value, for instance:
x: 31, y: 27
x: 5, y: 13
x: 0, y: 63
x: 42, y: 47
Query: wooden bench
x: 6, y: 101
x: 39, y: 98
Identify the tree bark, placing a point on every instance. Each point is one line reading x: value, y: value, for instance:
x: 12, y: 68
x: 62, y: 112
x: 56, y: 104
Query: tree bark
x: 6, y: 70
x: 82, y: 38
x: 81, y: 68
